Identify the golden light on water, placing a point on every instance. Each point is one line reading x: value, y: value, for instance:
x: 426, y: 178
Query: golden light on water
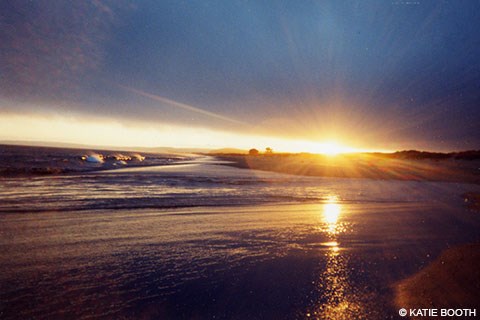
x: 331, y: 214
x: 330, y: 244
x: 342, y: 302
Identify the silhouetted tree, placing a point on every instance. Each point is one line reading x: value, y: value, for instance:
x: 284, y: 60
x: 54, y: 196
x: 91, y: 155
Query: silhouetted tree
x: 253, y: 152
x: 268, y: 150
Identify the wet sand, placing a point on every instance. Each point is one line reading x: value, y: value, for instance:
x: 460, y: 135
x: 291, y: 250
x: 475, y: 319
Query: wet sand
x: 201, y: 240
x: 330, y: 260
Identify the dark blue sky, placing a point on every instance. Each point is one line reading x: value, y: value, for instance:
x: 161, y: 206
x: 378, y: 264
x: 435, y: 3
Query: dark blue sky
x: 382, y: 74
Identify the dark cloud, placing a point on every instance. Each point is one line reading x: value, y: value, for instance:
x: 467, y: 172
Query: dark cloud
x: 48, y: 47
x: 384, y: 72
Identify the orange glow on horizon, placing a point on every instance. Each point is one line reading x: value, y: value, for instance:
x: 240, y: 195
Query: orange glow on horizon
x: 110, y: 133
x: 332, y: 148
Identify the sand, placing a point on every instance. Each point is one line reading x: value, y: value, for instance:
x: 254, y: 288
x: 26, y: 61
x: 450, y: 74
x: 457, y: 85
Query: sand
x: 370, y: 166
x: 450, y: 281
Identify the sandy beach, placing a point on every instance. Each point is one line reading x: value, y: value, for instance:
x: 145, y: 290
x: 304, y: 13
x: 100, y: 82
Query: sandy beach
x: 371, y: 166
x: 206, y: 160
x: 202, y: 240
x: 452, y: 281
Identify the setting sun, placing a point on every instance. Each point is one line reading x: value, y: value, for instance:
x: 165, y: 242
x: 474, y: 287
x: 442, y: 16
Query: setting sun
x: 104, y: 132
x: 332, y: 148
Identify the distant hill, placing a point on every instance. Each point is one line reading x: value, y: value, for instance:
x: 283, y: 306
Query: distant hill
x: 419, y: 155
x: 169, y: 150
x: 50, y: 144
x: 90, y: 147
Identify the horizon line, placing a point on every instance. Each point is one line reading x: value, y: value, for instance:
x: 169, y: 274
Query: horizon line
x: 68, y: 145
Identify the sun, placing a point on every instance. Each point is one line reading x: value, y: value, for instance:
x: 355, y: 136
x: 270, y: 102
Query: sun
x: 331, y: 148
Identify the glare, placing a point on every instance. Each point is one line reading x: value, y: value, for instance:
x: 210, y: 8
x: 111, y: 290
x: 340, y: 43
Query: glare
x: 332, y: 148
x: 331, y: 211
x: 330, y: 244
x: 107, y: 132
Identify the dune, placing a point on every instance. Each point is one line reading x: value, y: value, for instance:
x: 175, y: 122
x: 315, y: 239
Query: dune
x: 370, y: 166
x: 450, y: 281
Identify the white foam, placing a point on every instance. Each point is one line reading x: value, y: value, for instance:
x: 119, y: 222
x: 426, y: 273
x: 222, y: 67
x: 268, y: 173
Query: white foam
x: 95, y: 158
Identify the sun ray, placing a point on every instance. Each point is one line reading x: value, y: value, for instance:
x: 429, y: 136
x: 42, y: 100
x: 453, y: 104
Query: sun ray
x: 181, y: 105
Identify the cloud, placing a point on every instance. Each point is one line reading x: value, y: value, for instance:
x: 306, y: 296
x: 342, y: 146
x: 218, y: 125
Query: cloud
x: 47, y: 47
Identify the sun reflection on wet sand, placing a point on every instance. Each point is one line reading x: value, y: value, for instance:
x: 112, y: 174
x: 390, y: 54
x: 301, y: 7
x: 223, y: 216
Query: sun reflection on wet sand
x: 338, y: 299
x: 331, y: 214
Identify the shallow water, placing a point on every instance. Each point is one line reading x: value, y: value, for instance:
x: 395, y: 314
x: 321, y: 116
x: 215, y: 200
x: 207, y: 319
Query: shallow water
x: 201, y: 240
x: 202, y: 182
